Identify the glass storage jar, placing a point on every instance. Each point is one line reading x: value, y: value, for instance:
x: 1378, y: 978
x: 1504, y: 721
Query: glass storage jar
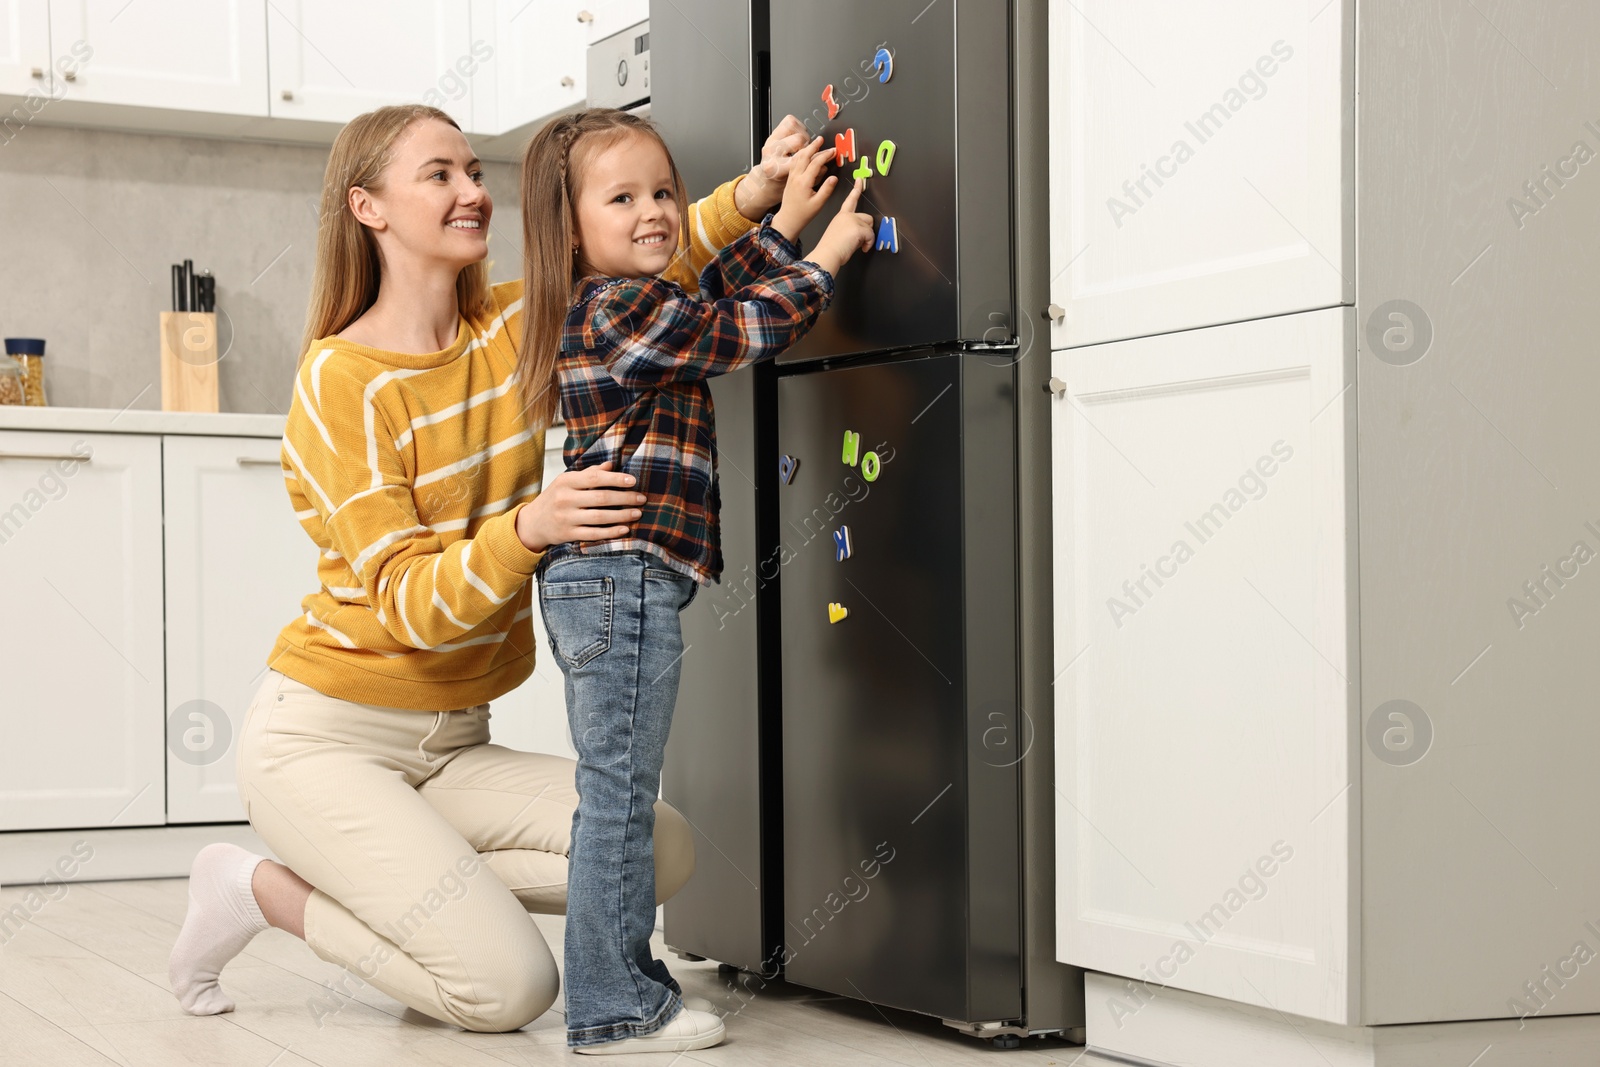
x: 28, y: 352
x: 13, y: 382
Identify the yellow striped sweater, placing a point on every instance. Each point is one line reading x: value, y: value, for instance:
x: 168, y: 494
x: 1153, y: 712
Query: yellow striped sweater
x: 407, y: 471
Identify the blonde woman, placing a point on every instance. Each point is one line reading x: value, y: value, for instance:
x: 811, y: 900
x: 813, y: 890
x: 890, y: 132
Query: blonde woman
x: 413, y: 848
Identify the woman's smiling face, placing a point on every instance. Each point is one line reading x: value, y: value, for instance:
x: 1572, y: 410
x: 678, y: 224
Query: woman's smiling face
x: 433, y: 203
x: 627, y: 212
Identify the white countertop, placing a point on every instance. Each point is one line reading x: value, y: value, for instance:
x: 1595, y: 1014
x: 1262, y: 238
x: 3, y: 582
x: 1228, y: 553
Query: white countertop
x: 109, y: 420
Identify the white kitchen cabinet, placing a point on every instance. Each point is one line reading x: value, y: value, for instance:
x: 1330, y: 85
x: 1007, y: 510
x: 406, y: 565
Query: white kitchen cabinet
x: 26, y: 63
x: 176, y: 55
x: 237, y: 564
x: 533, y: 717
x: 1201, y: 159
x: 1201, y: 477
x: 332, y: 60
x: 1384, y: 662
x: 81, y: 632
x: 541, y: 54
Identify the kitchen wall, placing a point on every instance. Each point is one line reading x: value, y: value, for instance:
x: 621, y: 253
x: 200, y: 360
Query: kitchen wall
x: 92, y: 220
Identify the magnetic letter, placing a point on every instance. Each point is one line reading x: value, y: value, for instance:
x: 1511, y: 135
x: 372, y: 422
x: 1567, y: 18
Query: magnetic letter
x: 885, y: 156
x: 852, y: 443
x: 869, y: 466
x: 833, y: 105
x: 841, y: 542
x: 863, y: 169
x: 888, y: 235
x: 883, y: 63
x: 844, y: 146
x: 786, y: 468
x: 837, y: 612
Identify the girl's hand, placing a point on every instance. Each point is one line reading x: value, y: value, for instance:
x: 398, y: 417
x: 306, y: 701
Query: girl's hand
x: 762, y: 188
x: 851, y: 231
x: 579, y: 506
x: 802, y: 199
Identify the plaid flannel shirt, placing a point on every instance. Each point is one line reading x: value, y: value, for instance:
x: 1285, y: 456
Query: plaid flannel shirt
x: 635, y: 356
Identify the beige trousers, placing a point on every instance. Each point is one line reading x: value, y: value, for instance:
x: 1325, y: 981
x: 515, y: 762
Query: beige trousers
x: 426, y: 845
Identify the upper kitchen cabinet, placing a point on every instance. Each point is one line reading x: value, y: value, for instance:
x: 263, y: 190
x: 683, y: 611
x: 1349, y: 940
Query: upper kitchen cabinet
x: 25, y: 59
x: 332, y: 60
x: 1201, y: 174
x: 541, y: 52
x: 175, y: 56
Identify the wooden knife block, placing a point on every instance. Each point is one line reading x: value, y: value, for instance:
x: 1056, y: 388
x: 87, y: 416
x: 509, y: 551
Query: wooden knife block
x: 189, y: 361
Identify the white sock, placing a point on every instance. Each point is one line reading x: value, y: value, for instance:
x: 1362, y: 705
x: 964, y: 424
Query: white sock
x: 223, y: 916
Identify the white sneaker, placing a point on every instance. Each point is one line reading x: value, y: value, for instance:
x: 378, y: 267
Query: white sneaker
x: 688, y: 1030
x: 699, y: 1004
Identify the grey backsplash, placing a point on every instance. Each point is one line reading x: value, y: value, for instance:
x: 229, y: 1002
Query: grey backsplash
x: 91, y: 220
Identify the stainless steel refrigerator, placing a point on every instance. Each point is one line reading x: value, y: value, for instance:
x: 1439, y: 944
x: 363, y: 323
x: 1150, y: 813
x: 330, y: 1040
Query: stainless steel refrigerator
x: 862, y: 738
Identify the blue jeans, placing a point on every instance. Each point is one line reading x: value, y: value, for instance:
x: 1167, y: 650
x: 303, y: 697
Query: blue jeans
x: 613, y: 626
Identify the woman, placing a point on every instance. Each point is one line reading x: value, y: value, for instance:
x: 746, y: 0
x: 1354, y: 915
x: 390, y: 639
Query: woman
x: 414, y: 847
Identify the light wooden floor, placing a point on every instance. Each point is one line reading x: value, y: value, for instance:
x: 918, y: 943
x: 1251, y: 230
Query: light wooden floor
x: 86, y: 983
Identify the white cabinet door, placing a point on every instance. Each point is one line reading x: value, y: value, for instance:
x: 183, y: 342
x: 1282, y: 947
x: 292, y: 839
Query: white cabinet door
x: 533, y: 717
x: 335, y: 59
x: 24, y: 49
x: 237, y: 565
x: 541, y: 54
x: 1206, y: 705
x: 1201, y: 163
x: 187, y: 55
x: 80, y: 631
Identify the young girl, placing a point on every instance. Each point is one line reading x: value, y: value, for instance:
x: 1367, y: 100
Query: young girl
x: 602, y: 210
x: 412, y: 847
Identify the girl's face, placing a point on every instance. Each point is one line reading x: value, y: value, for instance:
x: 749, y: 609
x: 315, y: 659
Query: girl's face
x: 627, y: 215
x: 433, y: 205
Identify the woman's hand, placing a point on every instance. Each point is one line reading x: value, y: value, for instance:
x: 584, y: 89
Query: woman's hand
x: 802, y: 199
x: 850, y: 232
x: 579, y: 506
x: 762, y: 189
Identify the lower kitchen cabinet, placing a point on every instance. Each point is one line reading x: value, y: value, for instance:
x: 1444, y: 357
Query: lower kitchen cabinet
x: 237, y: 564
x: 80, y: 631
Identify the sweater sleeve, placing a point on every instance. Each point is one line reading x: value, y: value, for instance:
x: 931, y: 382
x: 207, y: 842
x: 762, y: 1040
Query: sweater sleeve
x: 339, y: 445
x: 714, y: 223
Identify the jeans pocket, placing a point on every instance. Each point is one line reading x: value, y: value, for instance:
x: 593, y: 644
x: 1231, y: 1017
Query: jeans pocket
x: 577, y: 615
x: 687, y: 587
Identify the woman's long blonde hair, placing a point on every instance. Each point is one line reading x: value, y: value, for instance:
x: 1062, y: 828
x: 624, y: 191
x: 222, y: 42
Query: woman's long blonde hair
x: 551, y: 181
x: 345, y: 282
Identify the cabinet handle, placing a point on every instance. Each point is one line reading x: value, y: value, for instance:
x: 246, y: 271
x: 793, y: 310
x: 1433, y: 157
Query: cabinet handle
x: 257, y: 461
x: 38, y: 73
x: 567, y: 82
x: 585, y: 16
x: 70, y: 75
x: 288, y: 94
x: 1056, y: 387
x: 1055, y: 313
x: 49, y: 455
